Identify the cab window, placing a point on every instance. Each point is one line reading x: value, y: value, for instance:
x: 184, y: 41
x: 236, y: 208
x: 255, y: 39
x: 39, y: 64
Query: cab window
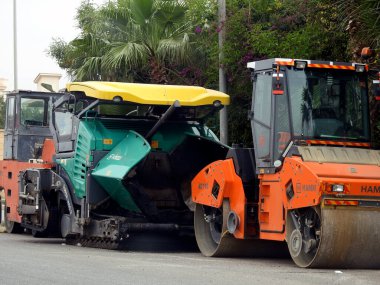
x: 10, y: 113
x: 63, y: 119
x: 261, y: 123
x: 33, y: 112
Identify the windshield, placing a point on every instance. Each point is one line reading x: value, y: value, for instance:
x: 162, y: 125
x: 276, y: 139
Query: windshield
x: 329, y: 104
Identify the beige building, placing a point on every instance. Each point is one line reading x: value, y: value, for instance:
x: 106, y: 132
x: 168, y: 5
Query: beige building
x: 3, y: 86
x: 47, y: 79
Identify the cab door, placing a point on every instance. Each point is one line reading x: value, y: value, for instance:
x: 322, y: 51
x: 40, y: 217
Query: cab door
x: 9, y: 132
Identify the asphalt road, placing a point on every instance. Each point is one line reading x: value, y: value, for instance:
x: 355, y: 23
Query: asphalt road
x: 26, y: 260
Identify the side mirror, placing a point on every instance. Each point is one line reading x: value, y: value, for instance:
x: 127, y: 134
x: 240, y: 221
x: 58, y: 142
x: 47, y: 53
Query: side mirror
x: 278, y: 83
x: 376, y: 89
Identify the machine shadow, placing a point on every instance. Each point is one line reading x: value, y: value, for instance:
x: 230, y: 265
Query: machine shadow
x: 165, y: 243
x: 159, y: 242
x: 141, y: 242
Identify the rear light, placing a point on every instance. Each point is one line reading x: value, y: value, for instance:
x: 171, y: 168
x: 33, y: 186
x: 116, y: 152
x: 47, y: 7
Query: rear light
x: 337, y: 188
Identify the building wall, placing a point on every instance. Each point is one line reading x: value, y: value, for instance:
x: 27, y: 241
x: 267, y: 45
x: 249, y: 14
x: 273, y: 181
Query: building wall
x: 48, y: 78
x: 3, y: 86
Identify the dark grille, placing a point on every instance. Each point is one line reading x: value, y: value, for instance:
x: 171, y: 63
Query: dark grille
x: 140, y: 126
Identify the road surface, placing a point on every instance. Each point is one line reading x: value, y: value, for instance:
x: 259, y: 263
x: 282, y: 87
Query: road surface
x: 27, y: 260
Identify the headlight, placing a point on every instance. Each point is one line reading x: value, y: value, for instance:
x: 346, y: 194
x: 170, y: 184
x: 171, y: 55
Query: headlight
x: 299, y: 64
x: 337, y: 188
x: 359, y: 67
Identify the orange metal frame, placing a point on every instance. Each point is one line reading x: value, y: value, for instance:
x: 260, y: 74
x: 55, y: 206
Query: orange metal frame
x: 308, y: 183
x: 230, y: 187
x: 9, y: 177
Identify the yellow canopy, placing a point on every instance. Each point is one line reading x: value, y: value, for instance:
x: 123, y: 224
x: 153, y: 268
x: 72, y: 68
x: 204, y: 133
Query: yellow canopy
x: 150, y: 94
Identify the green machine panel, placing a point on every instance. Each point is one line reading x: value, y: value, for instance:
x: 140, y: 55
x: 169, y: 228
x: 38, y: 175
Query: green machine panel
x: 111, y: 169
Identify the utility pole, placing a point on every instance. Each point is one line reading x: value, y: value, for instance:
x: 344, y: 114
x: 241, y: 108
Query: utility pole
x: 15, y: 78
x: 222, y: 74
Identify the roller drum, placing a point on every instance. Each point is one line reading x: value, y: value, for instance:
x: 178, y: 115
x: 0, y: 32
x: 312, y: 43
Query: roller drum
x: 350, y: 238
x: 220, y: 243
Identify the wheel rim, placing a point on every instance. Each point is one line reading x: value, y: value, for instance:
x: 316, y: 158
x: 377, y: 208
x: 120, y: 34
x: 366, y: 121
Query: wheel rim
x: 208, y: 227
x: 303, y: 232
x: 215, y: 221
x: 295, y: 243
x: 10, y: 226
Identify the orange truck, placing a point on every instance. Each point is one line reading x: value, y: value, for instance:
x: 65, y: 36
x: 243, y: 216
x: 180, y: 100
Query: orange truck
x: 312, y: 178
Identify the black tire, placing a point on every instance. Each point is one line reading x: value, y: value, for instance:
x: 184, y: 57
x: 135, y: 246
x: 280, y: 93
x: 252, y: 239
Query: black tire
x: 12, y: 227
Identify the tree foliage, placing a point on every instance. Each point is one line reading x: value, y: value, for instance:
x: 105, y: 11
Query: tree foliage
x: 128, y: 40
x: 361, y: 20
x: 258, y: 29
x: 176, y: 41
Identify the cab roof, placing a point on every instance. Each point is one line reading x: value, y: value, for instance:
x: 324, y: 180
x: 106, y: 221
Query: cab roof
x: 268, y: 64
x: 149, y: 94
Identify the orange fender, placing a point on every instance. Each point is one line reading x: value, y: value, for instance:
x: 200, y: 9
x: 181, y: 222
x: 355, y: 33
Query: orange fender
x: 219, y: 181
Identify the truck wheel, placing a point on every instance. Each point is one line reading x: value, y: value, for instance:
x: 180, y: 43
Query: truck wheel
x: 12, y: 227
x: 209, y: 226
x: 303, y: 235
x: 65, y: 225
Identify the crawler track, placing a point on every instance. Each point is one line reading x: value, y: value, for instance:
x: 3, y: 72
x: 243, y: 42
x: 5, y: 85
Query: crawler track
x: 94, y: 242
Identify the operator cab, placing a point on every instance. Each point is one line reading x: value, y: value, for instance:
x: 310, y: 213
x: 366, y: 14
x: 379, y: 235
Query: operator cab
x: 26, y: 124
x: 305, y: 102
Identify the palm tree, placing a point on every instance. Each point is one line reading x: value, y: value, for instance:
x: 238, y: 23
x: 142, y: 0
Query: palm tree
x: 362, y: 20
x: 129, y: 40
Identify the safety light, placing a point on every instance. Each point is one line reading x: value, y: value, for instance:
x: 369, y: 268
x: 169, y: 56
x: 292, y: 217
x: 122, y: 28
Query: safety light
x: 376, y: 88
x: 217, y: 104
x: 367, y: 52
x: 359, y: 67
x: 117, y: 99
x: 331, y: 202
x: 299, y: 64
x: 337, y: 188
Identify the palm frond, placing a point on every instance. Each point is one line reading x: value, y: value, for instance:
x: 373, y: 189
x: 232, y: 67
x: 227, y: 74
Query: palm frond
x: 142, y: 11
x: 90, y: 70
x: 365, y: 15
x: 175, y: 50
x: 124, y: 55
x: 120, y: 37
